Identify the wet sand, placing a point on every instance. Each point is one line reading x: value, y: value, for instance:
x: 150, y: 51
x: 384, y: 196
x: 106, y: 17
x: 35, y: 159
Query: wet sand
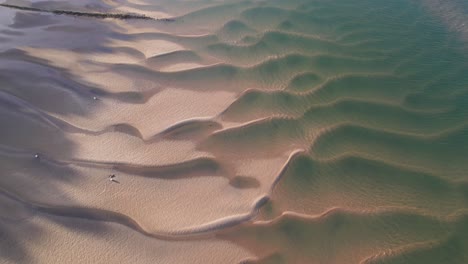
x: 238, y: 131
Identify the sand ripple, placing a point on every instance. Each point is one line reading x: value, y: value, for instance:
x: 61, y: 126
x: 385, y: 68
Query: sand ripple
x: 238, y: 132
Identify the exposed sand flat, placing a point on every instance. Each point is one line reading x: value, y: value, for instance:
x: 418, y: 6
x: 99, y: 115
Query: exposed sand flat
x: 43, y: 238
x: 232, y: 131
x: 140, y: 9
x: 163, y: 109
x: 181, y: 67
x: 181, y: 202
x: 149, y: 47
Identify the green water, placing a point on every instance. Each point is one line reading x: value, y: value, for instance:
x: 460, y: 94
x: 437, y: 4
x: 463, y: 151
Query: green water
x: 385, y: 85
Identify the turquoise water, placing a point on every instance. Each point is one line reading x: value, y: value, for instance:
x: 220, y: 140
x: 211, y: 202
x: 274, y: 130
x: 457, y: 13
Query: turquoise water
x: 379, y: 89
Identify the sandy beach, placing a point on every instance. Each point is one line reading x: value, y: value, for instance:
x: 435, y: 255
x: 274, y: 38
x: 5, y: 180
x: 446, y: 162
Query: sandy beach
x: 304, y: 131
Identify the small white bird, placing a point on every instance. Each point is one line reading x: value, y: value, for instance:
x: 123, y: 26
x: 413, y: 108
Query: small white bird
x: 36, y: 156
x: 94, y: 98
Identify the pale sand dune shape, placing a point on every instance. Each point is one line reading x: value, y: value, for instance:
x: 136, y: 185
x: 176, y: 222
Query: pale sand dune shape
x: 193, y: 233
x: 147, y: 9
x: 187, y: 129
x: 199, y: 167
x: 100, y: 242
x: 155, y: 96
x: 119, y: 147
x: 161, y: 111
x: 149, y: 48
x: 180, y: 56
x: 181, y: 67
x: 81, y: 187
x: 190, y: 128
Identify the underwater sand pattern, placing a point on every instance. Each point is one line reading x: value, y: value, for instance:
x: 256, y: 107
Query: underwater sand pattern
x: 303, y: 131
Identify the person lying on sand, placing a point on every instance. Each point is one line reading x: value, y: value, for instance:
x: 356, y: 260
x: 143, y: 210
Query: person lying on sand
x: 112, y: 178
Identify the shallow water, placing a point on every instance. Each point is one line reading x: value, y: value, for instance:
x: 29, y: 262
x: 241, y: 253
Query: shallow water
x: 304, y: 131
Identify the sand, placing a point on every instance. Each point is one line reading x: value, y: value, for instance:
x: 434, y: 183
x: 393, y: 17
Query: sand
x: 238, y: 131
